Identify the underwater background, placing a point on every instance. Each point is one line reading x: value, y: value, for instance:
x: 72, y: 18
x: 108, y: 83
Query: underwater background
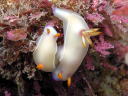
x: 104, y: 70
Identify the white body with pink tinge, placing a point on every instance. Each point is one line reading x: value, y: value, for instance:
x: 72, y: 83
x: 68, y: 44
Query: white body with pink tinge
x: 126, y: 59
x: 46, y: 50
x: 72, y: 52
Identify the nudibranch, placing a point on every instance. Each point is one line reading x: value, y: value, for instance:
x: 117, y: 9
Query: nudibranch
x: 45, y: 52
x: 76, y: 42
x: 126, y: 58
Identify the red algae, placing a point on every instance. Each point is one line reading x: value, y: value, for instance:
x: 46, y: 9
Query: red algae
x: 103, y: 71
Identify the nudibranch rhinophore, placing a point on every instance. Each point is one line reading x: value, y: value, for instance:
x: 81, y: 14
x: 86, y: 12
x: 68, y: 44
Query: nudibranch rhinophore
x: 45, y: 52
x: 76, y: 42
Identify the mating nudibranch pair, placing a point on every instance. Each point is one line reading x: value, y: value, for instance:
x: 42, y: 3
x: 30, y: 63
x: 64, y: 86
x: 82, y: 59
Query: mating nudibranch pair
x: 76, y: 42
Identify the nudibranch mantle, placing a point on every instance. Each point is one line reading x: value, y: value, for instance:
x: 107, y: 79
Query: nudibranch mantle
x: 72, y: 52
x: 46, y: 49
x: 126, y: 58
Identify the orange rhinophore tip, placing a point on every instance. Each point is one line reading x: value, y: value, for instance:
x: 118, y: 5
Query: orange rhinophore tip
x: 57, y: 35
x: 69, y: 82
x: 60, y: 76
x: 48, y: 31
x: 39, y: 66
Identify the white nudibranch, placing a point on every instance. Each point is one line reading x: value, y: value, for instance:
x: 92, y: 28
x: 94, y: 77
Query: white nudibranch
x: 126, y: 58
x: 73, y: 52
x: 46, y: 49
x: 76, y: 43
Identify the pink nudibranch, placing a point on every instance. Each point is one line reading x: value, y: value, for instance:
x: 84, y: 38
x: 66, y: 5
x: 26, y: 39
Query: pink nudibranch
x: 72, y: 53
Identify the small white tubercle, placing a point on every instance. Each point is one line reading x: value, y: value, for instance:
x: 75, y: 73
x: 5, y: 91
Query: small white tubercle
x: 46, y: 49
x: 73, y: 52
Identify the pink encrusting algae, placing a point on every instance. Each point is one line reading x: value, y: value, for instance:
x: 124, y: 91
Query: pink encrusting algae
x: 17, y: 34
x: 103, y: 71
x: 102, y: 46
